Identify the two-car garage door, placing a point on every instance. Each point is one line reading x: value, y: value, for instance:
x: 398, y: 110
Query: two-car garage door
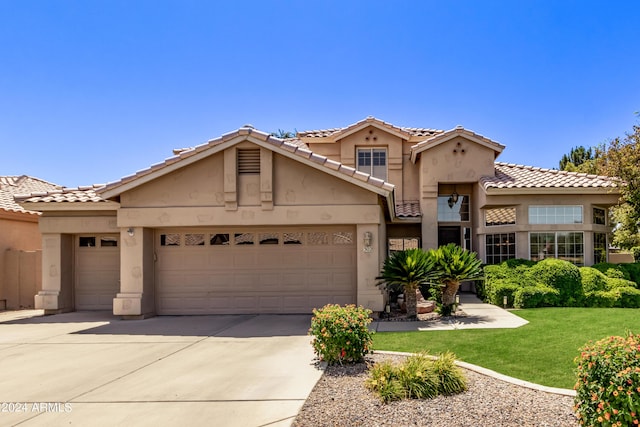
x: 254, y: 270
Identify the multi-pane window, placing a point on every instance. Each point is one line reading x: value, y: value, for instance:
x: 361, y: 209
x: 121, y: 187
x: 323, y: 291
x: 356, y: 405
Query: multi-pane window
x: 453, y: 211
x: 565, y: 245
x: 400, y: 244
x: 555, y: 214
x: 599, y: 216
x: 500, y: 216
x: 599, y: 247
x: 373, y: 161
x: 500, y: 247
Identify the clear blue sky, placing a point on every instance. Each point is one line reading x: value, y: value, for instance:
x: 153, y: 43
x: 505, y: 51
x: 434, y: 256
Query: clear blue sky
x: 91, y: 91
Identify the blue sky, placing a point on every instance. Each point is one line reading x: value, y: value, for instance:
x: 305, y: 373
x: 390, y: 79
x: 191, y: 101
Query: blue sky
x: 91, y: 91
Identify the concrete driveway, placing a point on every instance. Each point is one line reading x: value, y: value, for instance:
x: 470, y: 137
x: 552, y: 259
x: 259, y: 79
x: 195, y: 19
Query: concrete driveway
x: 92, y: 369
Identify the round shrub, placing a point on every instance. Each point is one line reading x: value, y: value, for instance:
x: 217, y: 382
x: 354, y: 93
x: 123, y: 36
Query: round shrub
x: 612, y: 270
x: 496, y: 290
x: 516, y: 262
x: 592, y: 280
x: 341, y: 333
x: 535, y: 296
x: 613, y: 283
x: 563, y: 276
x: 608, y: 382
x: 601, y: 299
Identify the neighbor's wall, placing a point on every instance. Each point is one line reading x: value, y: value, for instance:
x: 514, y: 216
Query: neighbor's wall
x: 18, y: 231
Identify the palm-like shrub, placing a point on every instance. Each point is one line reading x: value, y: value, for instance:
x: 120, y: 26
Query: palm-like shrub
x: 452, y: 265
x: 407, y: 270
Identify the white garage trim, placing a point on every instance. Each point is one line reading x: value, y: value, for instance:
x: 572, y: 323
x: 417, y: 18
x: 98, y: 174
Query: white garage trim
x: 254, y: 270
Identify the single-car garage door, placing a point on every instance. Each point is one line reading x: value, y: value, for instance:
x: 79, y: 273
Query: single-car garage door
x: 97, y: 271
x: 254, y: 270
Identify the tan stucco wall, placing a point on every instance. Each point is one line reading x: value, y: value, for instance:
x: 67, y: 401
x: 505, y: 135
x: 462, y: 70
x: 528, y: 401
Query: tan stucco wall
x: 200, y: 184
x: 18, y: 231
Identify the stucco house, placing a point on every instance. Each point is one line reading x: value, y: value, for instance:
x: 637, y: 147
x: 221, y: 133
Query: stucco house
x: 20, y: 238
x: 249, y: 223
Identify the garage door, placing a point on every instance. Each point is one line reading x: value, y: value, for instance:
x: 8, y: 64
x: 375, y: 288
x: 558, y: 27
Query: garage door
x: 251, y: 270
x: 97, y: 271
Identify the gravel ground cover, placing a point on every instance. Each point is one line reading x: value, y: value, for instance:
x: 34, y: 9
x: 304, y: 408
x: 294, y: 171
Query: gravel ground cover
x: 341, y: 399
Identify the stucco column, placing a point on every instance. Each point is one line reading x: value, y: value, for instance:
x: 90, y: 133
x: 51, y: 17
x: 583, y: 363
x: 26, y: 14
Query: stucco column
x: 57, y: 282
x: 369, y: 294
x: 136, y: 297
x: 429, y: 208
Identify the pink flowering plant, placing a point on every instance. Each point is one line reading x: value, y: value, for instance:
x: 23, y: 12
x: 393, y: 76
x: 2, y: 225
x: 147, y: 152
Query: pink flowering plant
x: 341, y: 333
x: 608, y: 386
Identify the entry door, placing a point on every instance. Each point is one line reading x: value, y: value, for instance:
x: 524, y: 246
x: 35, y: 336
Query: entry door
x: 449, y: 234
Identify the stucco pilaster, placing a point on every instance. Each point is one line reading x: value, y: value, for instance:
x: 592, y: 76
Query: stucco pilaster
x: 57, y: 281
x: 136, y: 296
x: 429, y: 208
x: 230, y: 180
x: 369, y: 294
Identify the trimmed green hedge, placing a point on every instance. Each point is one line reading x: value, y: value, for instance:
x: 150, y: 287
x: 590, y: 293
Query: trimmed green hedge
x: 553, y: 282
x: 563, y: 276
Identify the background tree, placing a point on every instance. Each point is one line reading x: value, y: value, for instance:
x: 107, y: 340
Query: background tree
x: 622, y: 159
x: 283, y: 134
x: 580, y: 159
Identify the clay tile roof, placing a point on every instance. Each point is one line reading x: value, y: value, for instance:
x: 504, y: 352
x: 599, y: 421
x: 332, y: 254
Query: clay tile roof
x: 292, y: 145
x: 10, y: 186
x: 509, y: 175
x: 323, y: 133
x: 500, y: 216
x: 409, y: 209
x: 85, y: 194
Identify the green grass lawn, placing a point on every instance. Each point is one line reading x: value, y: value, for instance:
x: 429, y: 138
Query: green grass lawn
x: 541, y: 351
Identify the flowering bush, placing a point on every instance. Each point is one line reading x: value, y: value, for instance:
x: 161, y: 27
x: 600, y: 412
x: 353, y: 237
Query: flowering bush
x: 608, y: 386
x: 341, y: 334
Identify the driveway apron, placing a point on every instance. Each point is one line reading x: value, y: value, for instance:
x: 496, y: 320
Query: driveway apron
x: 92, y: 369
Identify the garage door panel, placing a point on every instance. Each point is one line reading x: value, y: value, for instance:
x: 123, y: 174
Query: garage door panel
x: 267, y: 278
x: 96, y: 271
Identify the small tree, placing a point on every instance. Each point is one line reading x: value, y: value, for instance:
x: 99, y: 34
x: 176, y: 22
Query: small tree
x: 453, y: 265
x: 408, y: 270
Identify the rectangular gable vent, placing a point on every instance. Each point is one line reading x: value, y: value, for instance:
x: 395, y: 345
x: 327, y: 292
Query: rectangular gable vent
x: 249, y: 161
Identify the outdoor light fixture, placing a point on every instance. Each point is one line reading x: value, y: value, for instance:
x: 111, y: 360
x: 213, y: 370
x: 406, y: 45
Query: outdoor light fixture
x: 130, y: 231
x: 505, y: 301
x: 453, y: 198
x: 457, y: 299
x: 368, y: 241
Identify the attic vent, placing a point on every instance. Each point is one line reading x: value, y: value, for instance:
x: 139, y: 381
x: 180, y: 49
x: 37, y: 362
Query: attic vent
x: 249, y: 161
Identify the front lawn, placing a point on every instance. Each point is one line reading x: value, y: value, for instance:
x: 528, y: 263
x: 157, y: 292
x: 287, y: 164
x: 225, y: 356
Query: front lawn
x: 541, y: 351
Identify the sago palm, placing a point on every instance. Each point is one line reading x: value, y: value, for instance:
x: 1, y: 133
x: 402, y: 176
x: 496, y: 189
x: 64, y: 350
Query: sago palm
x: 408, y: 270
x: 453, y: 265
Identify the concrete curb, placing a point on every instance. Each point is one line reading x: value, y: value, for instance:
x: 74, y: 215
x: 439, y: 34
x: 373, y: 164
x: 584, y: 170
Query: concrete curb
x: 496, y: 375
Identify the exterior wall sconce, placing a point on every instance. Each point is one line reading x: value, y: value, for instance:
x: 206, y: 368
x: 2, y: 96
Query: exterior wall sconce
x: 453, y: 199
x: 368, y: 241
x: 130, y: 231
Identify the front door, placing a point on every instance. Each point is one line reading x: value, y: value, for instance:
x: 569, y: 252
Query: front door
x: 448, y: 234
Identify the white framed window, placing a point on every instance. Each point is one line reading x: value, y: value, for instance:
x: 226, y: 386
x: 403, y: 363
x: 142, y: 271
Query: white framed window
x: 500, y: 247
x: 565, y: 245
x: 599, y: 247
x: 555, y: 214
x: 599, y: 216
x: 372, y: 161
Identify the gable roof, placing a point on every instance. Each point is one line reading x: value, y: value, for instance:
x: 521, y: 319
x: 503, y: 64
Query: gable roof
x: 284, y: 147
x: 13, y: 185
x: 333, y: 134
x: 450, y: 134
x: 510, y: 176
x: 97, y: 194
